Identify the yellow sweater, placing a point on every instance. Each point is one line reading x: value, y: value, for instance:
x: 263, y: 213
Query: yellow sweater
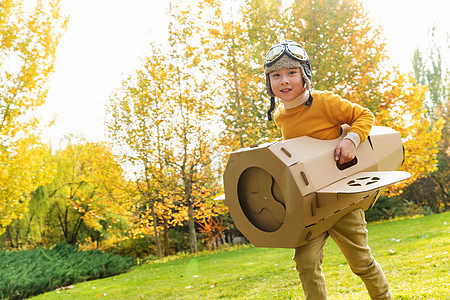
x: 323, y: 119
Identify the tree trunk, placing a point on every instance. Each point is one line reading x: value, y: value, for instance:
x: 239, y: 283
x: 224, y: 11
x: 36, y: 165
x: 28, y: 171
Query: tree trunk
x: 442, y: 190
x: 9, y: 236
x: 74, y: 235
x: 192, y: 234
x: 62, y: 223
x: 155, y: 230
x: 239, y: 109
x: 166, y: 238
x: 17, y: 236
x: 27, y: 234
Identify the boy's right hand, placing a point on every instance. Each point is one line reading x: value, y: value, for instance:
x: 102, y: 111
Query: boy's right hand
x: 345, y: 151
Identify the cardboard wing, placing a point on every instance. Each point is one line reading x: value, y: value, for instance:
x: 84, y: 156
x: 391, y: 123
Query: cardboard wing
x: 353, y: 189
x: 283, y: 194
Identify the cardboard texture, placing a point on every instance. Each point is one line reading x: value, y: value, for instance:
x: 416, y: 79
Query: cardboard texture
x: 283, y: 194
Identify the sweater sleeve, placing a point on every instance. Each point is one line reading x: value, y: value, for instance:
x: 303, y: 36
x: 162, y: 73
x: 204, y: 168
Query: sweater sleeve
x: 343, y: 111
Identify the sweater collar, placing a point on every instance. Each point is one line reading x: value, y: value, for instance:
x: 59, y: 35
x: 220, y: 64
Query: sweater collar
x: 302, y: 98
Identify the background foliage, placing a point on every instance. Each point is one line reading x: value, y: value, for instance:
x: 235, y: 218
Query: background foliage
x: 29, y: 39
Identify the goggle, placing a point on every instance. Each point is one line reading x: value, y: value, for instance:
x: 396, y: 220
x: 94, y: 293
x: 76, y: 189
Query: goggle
x: 292, y: 49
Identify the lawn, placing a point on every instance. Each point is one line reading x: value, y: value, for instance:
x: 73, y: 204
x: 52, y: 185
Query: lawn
x: 414, y: 254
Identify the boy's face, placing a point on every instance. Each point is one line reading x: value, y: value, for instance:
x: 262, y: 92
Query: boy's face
x: 287, y: 84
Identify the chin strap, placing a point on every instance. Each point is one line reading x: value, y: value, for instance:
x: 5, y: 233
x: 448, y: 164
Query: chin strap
x: 272, y: 107
x: 310, y: 100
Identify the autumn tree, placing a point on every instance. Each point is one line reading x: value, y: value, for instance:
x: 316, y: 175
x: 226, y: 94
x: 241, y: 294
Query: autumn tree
x: 88, y: 192
x: 31, y: 229
x: 139, y: 118
x: 431, y: 69
x: 192, y: 104
x: 346, y: 50
x: 29, y: 38
x: 209, y: 213
x: 241, y: 32
x: 402, y: 109
x: 89, y: 198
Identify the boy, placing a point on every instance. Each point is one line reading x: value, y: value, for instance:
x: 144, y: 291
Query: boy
x: 320, y: 114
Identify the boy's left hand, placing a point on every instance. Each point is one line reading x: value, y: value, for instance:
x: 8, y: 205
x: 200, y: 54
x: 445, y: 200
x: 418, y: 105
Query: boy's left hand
x: 345, y: 151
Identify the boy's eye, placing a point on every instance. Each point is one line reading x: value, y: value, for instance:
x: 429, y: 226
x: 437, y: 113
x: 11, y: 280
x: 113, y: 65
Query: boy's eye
x: 275, y: 75
x: 292, y: 72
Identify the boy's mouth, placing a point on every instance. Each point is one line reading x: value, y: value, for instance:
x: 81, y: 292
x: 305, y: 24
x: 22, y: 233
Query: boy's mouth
x: 285, y: 90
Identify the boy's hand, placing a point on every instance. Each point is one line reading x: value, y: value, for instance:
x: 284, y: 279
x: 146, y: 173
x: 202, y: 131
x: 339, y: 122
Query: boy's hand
x: 345, y: 151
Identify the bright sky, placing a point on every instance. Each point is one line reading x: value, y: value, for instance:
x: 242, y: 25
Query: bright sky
x: 105, y: 39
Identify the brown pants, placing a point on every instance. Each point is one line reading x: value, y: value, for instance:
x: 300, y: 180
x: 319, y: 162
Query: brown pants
x: 350, y: 234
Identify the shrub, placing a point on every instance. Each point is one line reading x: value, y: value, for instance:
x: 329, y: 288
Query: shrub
x: 27, y: 273
x: 139, y: 247
x: 179, y: 240
x: 388, y: 208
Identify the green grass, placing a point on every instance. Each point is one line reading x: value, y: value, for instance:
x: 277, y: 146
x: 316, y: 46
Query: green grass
x: 414, y: 254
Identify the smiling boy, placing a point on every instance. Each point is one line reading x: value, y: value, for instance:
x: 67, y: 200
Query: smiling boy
x: 320, y: 114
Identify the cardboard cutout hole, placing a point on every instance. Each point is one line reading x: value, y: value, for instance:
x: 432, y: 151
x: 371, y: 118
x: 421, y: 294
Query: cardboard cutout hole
x: 261, y: 199
x: 363, y: 180
x: 347, y: 164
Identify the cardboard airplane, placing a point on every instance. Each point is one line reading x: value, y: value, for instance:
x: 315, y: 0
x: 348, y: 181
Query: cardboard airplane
x: 283, y: 194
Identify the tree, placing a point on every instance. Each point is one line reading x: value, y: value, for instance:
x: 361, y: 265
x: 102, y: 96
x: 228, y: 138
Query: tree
x: 30, y: 229
x: 138, y: 123
x: 29, y: 39
x: 239, y: 39
x: 402, y: 109
x: 432, y: 71
x: 88, y: 198
x: 191, y: 104
x: 346, y: 50
x: 89, y: 190
x: 209, y: 213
